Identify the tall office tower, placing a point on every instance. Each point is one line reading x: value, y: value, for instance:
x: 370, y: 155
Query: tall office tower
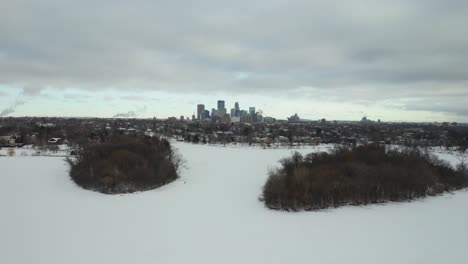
x: 205, y: 114
x: 222, y: 112
x: 200, y: 109
x: 221, y: 105
x: 252, y: 110
x: 236, y: 109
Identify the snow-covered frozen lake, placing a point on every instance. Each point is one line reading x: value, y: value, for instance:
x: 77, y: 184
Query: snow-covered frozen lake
x: 212, y: 215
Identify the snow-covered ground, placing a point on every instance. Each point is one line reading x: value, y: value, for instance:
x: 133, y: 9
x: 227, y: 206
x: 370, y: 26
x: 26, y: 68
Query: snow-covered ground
x: 29, y: 150
x: 212, y: 215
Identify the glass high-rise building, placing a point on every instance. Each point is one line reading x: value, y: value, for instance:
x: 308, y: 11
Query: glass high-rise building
x: 221, y: 105
x: 205, y: 114
x: 200, y: 109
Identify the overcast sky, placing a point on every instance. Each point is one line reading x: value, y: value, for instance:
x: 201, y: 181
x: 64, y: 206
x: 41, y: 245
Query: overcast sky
x: 393, y: 60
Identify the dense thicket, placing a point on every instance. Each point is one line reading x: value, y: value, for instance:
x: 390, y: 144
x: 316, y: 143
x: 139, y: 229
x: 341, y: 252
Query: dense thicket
x: 361, y: 175
x: 125, y: 164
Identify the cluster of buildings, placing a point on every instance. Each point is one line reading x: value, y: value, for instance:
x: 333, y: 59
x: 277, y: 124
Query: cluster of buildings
x: 51, y: 131
x: 235, y: 115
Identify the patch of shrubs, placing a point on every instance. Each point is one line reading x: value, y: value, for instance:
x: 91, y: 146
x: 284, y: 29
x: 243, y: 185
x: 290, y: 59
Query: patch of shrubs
x: 358, y: 176
x: 125, y: 164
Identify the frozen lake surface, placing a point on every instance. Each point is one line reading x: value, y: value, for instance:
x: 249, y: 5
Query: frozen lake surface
x: 212, y: 215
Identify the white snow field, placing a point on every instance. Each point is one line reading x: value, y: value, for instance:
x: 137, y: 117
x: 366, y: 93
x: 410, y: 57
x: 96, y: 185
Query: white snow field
x: 212, y: 215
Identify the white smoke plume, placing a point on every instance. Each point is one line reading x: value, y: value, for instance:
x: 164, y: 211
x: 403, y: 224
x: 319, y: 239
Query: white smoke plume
x: 11, y: 109
x: 129, y: 114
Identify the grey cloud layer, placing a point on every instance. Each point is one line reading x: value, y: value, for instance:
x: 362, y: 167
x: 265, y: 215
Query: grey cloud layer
x: 347, y: 50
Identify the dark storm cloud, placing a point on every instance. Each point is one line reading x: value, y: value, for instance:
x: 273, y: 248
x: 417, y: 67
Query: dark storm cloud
x: 341, y: 50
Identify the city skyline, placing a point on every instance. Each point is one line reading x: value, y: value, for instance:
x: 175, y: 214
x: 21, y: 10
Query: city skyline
x: 323, y: 59
x: 129, y: 105
x: 223, y: 114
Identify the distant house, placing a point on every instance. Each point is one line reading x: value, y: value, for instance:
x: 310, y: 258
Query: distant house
x: 55, y: 141
x: 130, y: 131
x: 149, y: 133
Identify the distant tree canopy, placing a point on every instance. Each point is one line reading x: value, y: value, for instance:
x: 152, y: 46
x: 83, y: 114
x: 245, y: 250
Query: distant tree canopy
x: 125, y: 164
x: 357, y: 176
